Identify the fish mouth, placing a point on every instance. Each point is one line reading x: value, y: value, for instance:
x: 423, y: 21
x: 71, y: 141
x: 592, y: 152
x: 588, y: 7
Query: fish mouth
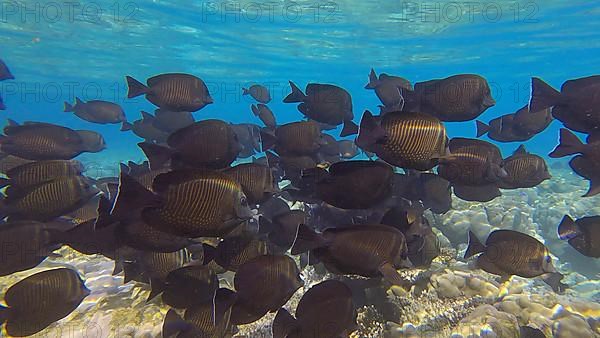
x: 488, y: 102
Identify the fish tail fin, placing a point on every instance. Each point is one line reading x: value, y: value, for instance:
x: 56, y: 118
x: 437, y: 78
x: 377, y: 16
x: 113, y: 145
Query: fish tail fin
x: 567, y: 228
x: 373, y: 80
x: 542, y: 95
x: 118, y: 267
x: 156, y: 288
x: 295, y: 96
x: 482, y: 128
x: 350, y: 128
x: 209, y: 253
x: 554, y: 280
x: 131, y: 196
x: 391, y: 275
x: 173, y: 324
x: 158, y: 156
x: 283, y: 324
x: 475, y: 246
x: 370, y: 131
x: 126, y: 126
x: 223, y: 300
x: 569, y: 144
x: 306, y: 240
x: 267, y: 139
x: 104, y: 218
x: 135, y: 88
x: 68, y: 107
x: 594, y: 188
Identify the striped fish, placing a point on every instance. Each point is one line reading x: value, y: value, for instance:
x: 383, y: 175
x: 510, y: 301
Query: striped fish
x: 46, y: 201
x: 197, y: 203
x: 175, y: 92
x: 232, y: 252
x: 42, y: 299
x: 41, y: 141
x: 42, y: 171
x: 298, y: 138
x: 474, y: 162
x: 524, y: 170
x: 407, y: 140
x: 8, y: 162
x: 256, y: 180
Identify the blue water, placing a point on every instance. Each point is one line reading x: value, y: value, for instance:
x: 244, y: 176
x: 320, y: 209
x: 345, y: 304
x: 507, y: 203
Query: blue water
x: 61, y: 50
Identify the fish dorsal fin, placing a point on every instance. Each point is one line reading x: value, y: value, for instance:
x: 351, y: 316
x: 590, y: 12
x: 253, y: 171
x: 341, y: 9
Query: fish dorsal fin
x: 521, y: 150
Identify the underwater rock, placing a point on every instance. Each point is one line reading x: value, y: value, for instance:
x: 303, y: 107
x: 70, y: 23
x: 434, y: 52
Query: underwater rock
x: 486, y: 321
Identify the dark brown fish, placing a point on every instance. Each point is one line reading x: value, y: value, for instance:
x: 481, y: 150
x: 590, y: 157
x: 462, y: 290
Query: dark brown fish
x: 576, y: 105
x: 97, y: 111
x: 25, y: 245
x: 502, y: 129
x: 348, y: 149
x: 294, y: 139
x: 456, y: 98
x: 582, y: 234
x: 49, y: 200
x: 189, y: 286
x: 146, y: 129
x: 389, y: 89
x: 136, y: 234
x: 258, y: 92
x: 407, y: 140
x: 209, y: 319
x: 587, y: 164
x: 204, y: 144
x: 45, y: 141
x: 88, y: 212
x: 175, y: 92
x: 41, y: 172
x: 325, y: 103
x: 234, y: 251
x: 265, y: 115
x: 170, y: 121
x: 257, y: 181
x: 364, y: 250
x: 325, y: 310
x: 532, y: 122
x: 282, y: 228
x: 142, y: 173
x: 5, y: 73
x: 264, y: 284
x: 352, y: 184
x: 508, y: 252
x: 248, y: 136
x: 431, y: 189
x: 155, y: 267
x: 524, y: 170
x: 42, y: 299
x: 195, y: 203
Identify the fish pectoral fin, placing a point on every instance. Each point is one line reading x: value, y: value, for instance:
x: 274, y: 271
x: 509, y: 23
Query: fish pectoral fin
x: 392, y: 275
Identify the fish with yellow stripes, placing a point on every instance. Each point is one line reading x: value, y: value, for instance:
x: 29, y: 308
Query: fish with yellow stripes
x: 174, y: 91
x: 42, y: 299
x: 195, y: 203
x: 41, y: 171
x: 293, y: 139
x: 407, y: 140
x: 257, y: 181
x: 524, y: 170
x: 49, y: 200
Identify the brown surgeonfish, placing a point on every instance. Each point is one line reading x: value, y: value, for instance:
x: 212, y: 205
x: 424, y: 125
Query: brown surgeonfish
x: 282, y: 227
x: 49, y: 200
x: 197, y: 203
x: 97, y: 111
x: 352, y: 184
x: 42, y: 171
x: 582, y: 234
x: 258, y: 92
x: 42, y: 299
x: 456, y: 98
x: 234, y: 251
x: 265, y: 115
x: 264, y: 284
x: 189, y: 286
x: 209, y: 319
x: 257, y: 181
x: 301, y: 138
x: 364, y: 250
x: 576, y: 105
x: 407, y: 140
x: 146, y: 129
x: 388, y: 89
x: 325, y: 310
x: 170, y: 121
x: 8, y: 162
x: 587, y: 164
x: 175, y: 91
x: 325, y: 103
x: 204, y: 144
x: 519, y: 126
x: 508, y: 252
x: 524, y: 170
x: 45, y: 141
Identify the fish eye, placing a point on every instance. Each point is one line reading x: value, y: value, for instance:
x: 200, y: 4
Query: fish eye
x: 243, y: 200
x: 548, y: 259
